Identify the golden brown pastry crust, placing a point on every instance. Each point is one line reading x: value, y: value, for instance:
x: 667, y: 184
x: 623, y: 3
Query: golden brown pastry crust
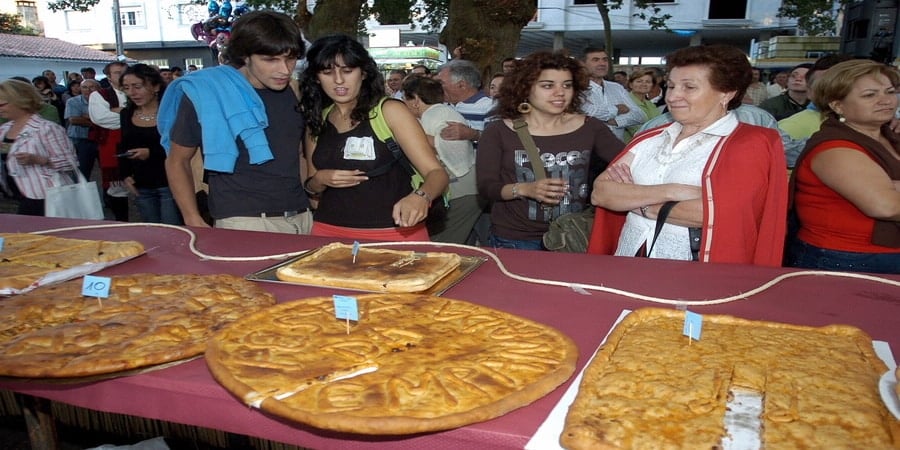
x: 376, y: 270
x: 441, y: 363
x: 55, y: 332
x: 26, y: 258
x: 647, y: 388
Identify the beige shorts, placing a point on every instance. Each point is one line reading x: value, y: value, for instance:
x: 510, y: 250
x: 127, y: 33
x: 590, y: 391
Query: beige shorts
x: 296, y: 224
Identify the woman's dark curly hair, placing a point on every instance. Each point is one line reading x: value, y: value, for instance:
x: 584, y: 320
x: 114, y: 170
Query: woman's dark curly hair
x: 729, y: 69
x: 517, y: 85
x: 322, y: 55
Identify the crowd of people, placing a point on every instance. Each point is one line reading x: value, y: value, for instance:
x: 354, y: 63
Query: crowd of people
x: 688, y: 162
x: 110, y: 122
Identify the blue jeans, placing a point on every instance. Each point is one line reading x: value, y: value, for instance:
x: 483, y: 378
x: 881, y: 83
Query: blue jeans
x: 156, y: 205
x: 812, y: 257
x: 499, y: 242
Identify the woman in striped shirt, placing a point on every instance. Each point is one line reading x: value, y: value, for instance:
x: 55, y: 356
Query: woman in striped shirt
x: 35, y: 148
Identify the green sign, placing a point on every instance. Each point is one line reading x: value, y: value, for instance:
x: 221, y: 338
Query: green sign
x: 404, y: 53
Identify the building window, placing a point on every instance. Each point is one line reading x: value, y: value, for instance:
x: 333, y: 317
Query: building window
x: 160, y: 63
x: 132, y: 16
x: 193, y: 62
x: 28, y: 11
x: 727, y: 9
x: 592, y: 2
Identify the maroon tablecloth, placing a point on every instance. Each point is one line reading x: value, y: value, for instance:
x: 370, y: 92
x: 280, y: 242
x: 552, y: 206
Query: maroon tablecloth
x: 187, y: 393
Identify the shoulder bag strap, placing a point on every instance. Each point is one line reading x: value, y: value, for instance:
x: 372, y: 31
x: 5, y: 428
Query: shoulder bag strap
x: 661, y: 217
x: 537, y: 164
x: 693, y: 233
x: 384, y: 134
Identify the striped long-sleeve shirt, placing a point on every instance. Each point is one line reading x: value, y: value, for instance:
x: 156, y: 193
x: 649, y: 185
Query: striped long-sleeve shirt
x: 43, y: 138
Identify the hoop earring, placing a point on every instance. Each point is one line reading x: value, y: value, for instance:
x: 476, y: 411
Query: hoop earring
x: 524, y: 107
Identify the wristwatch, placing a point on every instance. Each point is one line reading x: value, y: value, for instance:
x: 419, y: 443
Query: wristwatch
x: 423, y: 194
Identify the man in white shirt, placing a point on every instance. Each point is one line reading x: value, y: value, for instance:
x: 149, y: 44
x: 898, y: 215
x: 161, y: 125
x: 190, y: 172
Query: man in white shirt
x: 607, y: 101
x: 461, y: 81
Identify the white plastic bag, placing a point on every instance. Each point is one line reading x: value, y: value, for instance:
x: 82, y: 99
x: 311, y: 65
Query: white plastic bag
x: 80, y: 200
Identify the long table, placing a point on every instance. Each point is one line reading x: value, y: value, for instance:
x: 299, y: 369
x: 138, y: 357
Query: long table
x: 187, y: 393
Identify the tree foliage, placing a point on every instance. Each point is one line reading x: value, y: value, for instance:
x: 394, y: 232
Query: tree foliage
x: 814, y: 17
x: 72, y: 5
x: 391, y: 12
x: 12, y: 24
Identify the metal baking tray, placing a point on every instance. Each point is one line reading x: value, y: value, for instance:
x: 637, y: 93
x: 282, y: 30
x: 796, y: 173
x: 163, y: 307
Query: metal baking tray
x: 467, y: 265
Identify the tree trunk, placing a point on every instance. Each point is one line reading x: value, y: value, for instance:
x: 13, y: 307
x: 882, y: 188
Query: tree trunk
x: 330, y: 16
x: 607, y: 29
x: 486, y: 30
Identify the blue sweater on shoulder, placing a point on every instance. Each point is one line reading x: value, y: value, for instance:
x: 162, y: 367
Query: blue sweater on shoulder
x: 227, y: 107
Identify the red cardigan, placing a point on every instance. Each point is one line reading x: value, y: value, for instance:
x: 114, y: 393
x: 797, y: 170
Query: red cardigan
x: 744, y: 190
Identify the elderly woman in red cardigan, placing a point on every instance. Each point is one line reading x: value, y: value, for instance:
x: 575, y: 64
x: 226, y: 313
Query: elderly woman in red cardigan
x: 706, y: 171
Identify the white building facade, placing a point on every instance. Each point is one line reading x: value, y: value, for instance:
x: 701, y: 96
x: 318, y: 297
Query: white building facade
x: 575, y: 24
x: 153, y: 31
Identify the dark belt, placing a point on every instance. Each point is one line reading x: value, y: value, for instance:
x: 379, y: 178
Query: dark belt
x: 284, y: 214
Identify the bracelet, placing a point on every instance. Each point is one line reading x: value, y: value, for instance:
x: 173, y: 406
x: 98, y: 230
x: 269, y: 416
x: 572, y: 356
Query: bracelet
x: 423, y: 194
x: 307, y: 189
x: 515, y: 190
x: 644, y: 211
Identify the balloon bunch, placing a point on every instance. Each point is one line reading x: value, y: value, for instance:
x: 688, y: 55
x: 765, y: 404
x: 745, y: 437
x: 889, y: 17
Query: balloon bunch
x: 216, y: 29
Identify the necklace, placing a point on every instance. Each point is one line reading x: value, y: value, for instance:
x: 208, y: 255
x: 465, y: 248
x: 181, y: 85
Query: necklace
x: 145, y: 117
x: 667, y: 153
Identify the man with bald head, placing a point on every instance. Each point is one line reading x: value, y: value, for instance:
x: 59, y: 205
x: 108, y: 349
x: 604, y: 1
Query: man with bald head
x: 79, y: 124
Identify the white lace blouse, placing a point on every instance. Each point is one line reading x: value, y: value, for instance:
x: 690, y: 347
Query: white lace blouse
x: 657, y: 161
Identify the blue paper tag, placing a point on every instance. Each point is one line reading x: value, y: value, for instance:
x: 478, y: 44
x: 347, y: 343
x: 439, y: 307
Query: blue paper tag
x: 693, y: 325
x: 345, y: 307
x: 96, y: 286
x: 1, y: 244
x: 355, y: 250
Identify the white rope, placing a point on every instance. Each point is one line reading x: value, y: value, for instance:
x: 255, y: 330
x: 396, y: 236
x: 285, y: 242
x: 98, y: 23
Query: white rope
x: 575, y: 286
x: 192, y: 242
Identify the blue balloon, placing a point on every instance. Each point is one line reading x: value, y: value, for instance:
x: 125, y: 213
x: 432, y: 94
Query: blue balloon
x: 241, y: 10
x: 213, y: 8
x: 225, y: 11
